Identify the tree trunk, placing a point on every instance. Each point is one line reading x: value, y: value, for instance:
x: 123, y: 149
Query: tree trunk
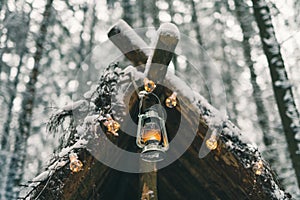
x: 82, y: 53
x: 204, y: 61
x: 282, y: 88
x: 154, y: 12
x: 243, y: 14
x: 227, y: 70
x: 229, y: 85
x: 16, y: 168
x: 127, y: 11
x: 142, y: 12
x: 172, y: 13
x: 196, y: 23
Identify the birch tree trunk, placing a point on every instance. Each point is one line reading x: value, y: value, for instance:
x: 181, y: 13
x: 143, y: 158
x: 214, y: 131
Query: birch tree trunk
x: 16, y: 168
x: 243, y: 14
x: 282, y: 88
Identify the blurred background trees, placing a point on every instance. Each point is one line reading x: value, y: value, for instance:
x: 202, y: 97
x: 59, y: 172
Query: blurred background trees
x: 45, y: 48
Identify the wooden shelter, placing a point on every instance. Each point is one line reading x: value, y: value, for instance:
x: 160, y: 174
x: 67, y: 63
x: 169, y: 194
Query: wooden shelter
x: 234, y: 170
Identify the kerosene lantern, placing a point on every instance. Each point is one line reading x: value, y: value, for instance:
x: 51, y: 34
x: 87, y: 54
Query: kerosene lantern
x: 151, y: 132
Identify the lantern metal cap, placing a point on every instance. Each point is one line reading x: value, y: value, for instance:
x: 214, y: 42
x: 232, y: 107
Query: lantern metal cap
x: 153, y: 153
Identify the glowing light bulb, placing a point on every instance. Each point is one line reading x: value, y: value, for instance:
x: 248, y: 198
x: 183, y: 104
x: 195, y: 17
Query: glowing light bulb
x: 112, y: 126
x: 75, y: 164
x: 171, y: 100
x: 149, y: 85
x: 212, y: 142
x: 258, y: 167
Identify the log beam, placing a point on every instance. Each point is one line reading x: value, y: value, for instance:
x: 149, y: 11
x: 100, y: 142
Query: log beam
x: 130, y: 44
x: 162, y: 54
x: 156, y: 70
x: 148, y: 181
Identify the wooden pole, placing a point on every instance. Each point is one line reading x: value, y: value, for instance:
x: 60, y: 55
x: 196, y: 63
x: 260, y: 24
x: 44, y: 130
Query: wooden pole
x: 162, y: 54
x: 157, y: 65
x: 148, y: 181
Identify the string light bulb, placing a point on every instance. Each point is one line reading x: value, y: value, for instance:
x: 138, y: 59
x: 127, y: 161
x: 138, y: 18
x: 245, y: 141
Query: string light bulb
x: 258, y: 167
x: 75, y: 164
x: 112, y: 125
x: 149, y: 85
x: 212, y: 142
x: 171, y: 100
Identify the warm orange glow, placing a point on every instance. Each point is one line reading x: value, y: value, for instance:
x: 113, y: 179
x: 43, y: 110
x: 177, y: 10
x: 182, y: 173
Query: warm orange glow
x: 171, y: 100
x: 75, y: 164
x: 152, y: 134
x: 112, y: 126
x: 258, y: 167
x: 212, y: 143
x: 149, y: 85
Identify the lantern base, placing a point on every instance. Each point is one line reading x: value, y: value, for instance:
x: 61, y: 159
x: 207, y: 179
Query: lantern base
x: 152, y: 153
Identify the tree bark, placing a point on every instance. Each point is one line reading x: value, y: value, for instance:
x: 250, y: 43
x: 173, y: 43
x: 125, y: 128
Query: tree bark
x: 243, y: 14
x: 282, y: 88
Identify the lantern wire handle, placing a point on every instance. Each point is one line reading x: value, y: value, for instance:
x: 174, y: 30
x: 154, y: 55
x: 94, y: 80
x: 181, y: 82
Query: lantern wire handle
x: 142, y: 94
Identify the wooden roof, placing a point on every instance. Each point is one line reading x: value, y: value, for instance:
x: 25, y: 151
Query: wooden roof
x: 225, y: 173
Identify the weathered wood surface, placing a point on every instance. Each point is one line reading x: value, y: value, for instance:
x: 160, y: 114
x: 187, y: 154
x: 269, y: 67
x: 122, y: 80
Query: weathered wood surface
x: 157, y: 65
x: 225, y: 173
x: 162, y: 54
x: 130, y: 44
x: 148, y: 182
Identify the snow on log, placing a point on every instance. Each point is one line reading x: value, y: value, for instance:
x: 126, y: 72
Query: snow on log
x: 162, y: 52
x: 130, y: 44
